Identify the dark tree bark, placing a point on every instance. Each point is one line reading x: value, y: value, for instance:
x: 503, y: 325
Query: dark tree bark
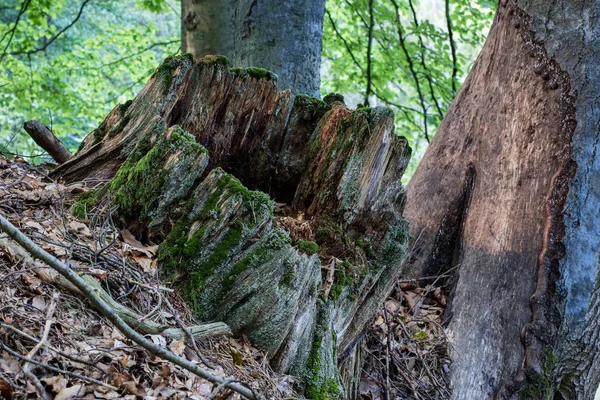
x: 44, y: 138
x: 301, y: 284
x: 281, y: 36
x: 507, y: 200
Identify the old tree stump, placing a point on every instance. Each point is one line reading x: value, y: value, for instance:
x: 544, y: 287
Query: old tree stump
x: 198, y: 160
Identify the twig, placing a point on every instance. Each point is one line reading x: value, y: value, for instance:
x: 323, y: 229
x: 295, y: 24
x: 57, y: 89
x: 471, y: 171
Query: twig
x: 189, y: 335
x: 346, y: 44
x: 54, y: 369
x: 452, y: 46
x: 369, y: 55
x: 220, y: 388
x: 22, y: 10
x: 50, y: 347
x: 36, y: 382
x: 53, y: 38
x: 427, y: 73
x: 108, y: 311
x: 47, y: 327
x: 411, y: 67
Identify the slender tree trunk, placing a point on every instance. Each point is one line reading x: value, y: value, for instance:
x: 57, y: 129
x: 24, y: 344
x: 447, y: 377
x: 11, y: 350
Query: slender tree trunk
x: 507, y: 200
x: 281, y: 36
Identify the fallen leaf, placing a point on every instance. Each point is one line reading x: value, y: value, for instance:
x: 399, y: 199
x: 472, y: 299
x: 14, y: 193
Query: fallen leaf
x: 177, y: 346
x: 80, y: 228
x: 133, y: 242
x: 70, y: 392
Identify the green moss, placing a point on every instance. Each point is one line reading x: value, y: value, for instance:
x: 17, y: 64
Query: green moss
x: 315, y: 106
x: 238, y: 72
x: 165, y: 71
x: 124, y: 107
x: 120, y: 126
x: 210, y: 59
x: 395, y: 244
x: 139, y: 182
x: 341, y: 279
x: 317, y: 387
x: 257, y: 202
x: 260, y: 73
x: 365, y: 110
x: 307, y: 247
x: 84, y: 204
x: 367, y: 247
x: 543, y: 386
x: 333, y: 97
x: 259, y: 256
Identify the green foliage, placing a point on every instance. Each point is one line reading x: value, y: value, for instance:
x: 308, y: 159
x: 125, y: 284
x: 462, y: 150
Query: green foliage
x: 411, y: 58
x: 71, y: 80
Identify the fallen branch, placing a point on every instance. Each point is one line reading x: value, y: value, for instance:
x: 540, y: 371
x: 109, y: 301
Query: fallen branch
x: 106, y: 310
x: 133, y: 319
x: 47, y: 326
x: 44, y: 138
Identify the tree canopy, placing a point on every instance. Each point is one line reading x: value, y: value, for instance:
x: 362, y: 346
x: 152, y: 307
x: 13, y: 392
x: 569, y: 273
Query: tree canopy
x: 68, y: 63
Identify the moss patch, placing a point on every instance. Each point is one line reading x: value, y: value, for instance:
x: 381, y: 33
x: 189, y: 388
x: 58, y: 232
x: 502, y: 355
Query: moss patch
x: 341, y: 279
x: 138, y: 183
x: 319, y: 387
x: 307, y: 247
x: 543, y: 386
x: 166, y: 71
x: 333, y: 98
x: 220, y: 60
x: 313, y: 106
x: 259, y: 256
x: 258, y: 73
x: 84, y: 204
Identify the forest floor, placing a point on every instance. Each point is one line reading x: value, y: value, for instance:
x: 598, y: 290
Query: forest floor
x: 53, y: 344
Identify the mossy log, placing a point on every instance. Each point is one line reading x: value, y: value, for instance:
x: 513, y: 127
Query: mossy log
x: 196, y: 162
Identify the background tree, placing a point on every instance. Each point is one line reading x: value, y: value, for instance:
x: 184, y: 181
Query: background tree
x: 281, y: 36
x: 408, y: 55
x: 106, y: 55
x: 505, y: 201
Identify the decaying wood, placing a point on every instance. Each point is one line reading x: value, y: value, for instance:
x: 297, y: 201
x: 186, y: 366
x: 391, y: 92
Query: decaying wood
x: 91, y: 294
x: 186, y: 159
x: 44, y: 138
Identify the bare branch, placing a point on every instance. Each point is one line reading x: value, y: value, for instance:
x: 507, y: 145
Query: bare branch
x: 346, y: 44
x: 12, y: 31
x: 427, y: 74
x: 109, y: 313
x: 412, y: 68
x: 452, y: 46
x: 369, y: 55
x: 53, y: 38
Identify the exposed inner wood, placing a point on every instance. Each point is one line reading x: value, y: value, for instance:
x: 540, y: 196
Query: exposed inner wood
x: 512, y: 120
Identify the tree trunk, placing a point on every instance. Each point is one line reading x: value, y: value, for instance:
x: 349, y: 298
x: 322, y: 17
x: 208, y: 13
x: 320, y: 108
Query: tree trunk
x: 301, y: 283
x: 281, y: 36
x: 506, y: 200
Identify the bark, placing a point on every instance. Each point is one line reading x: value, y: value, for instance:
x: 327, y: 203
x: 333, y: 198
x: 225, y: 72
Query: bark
x: 44, y: 138
x: 505, y: 200
x: 186, y: 160
x: 283, y: 37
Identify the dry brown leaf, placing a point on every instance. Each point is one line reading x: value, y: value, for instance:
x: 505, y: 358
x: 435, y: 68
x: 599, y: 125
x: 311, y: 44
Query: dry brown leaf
x: 71, y: 392
x: 39, y: 303
x: 6, y: 391
x: 80, y: 229
x: 58, y: 383
x: 177, y: 346
x: 128, y: 237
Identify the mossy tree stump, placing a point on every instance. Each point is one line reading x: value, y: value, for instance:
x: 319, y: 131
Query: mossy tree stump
x: 196, y: 162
